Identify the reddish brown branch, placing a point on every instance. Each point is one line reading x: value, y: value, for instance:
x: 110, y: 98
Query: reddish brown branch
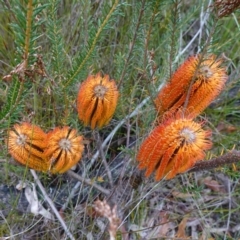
x: 228, y: 158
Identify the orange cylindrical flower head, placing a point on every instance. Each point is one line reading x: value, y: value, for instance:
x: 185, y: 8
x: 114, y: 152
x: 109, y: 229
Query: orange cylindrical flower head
x: 173, y: 147
x: 26, y: 143
x: 97, y: 100
x: 195, y: 84
x: 64, y: 149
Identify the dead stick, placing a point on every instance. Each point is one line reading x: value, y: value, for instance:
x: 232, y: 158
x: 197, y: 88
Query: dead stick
x: 51, y: 204
x: 88, y: 182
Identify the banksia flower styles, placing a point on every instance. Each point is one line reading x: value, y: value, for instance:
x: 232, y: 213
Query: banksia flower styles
x: 26, y: 143
x: 97, y: 100
x: 56, y: 151
x: 64, y: 149
x: 196, y: 83
x: 173, y: 147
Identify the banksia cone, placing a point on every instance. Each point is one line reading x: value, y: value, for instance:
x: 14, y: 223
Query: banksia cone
x: 173, y: 147
x: 194, y: 85
x: 26, y: 143
x: 226, y: 7
x: 97, y: 100
x: 64, y: 149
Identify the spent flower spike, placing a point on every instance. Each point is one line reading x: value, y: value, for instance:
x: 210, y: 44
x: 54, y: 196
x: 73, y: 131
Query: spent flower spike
x: 226, y: 7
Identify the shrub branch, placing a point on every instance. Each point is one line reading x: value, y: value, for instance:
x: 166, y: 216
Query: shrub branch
x: 93, y: 44
x: 28, y: 30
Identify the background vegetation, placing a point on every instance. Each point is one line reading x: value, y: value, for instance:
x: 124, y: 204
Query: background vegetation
x: 44, y: 59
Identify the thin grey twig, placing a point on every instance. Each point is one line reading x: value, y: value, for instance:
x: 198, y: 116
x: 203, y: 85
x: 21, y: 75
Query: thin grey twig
x: 88, y: 182
x: 110, y: 136
x: 132, y: 43
x: 19, y: 233
x: 229, y: 208
x: 71, y: 195
x: 51, y: 204
x: 204, y: 20
x: 236, y: 21
x: 104, y: 161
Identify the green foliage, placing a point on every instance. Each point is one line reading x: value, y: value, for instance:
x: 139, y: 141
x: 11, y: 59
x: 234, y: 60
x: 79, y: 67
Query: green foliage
x: 11, y: 106
x: 55, y: 41
x: 87, y: 51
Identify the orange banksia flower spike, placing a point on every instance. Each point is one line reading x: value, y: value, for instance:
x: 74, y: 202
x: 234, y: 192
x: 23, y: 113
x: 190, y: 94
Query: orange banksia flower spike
x: 26, y: 143
x: 97, y: 100
x: 173, y: 147
x: 195, y: 84
x: 64, y: 149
